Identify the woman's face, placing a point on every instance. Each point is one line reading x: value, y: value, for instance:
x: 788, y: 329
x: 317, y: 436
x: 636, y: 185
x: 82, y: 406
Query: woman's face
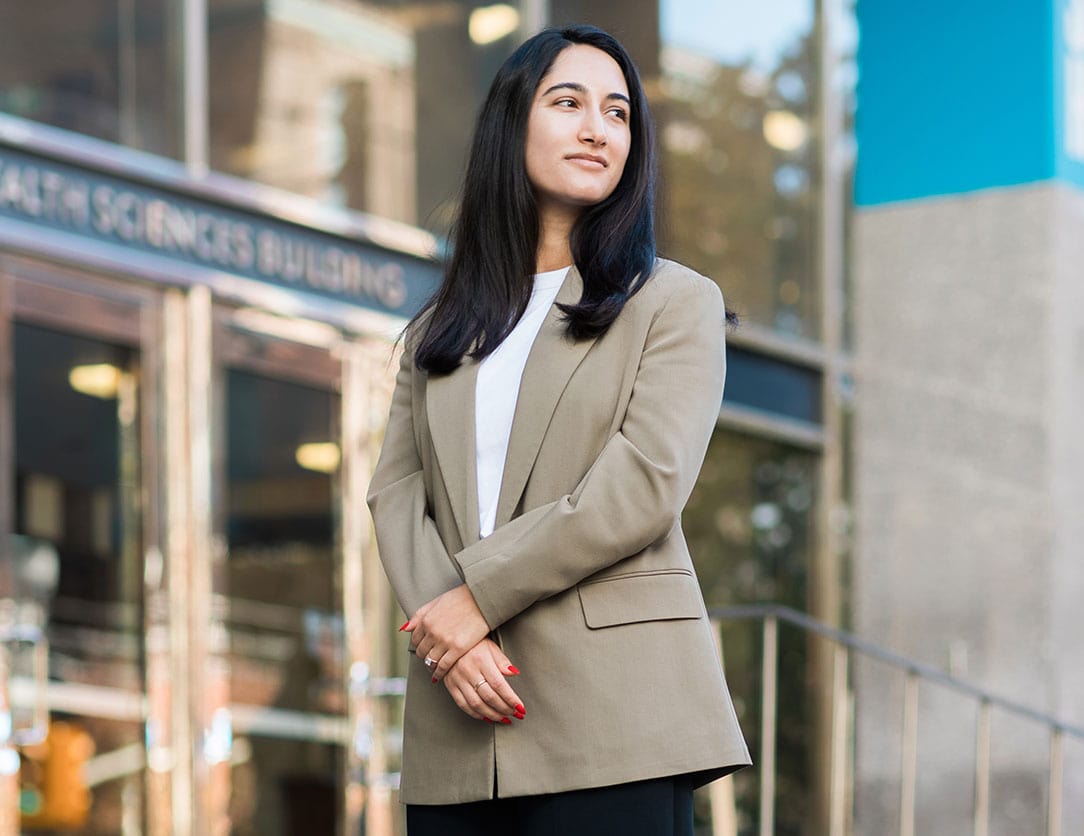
x: 578, y: 132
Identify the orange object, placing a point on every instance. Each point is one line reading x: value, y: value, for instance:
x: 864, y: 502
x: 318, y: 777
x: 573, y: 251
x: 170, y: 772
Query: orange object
x: 53, y: 787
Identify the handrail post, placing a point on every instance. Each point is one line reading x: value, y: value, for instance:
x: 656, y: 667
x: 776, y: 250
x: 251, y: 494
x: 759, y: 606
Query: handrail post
x: 982, y: 770
x: 838, y: 790
x: 724, y: 811
x: 909, y: 755
x: 770, y: 665
x: 1057, y: 765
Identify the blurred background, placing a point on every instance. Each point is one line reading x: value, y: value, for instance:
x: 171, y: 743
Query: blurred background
x: 216, y: 215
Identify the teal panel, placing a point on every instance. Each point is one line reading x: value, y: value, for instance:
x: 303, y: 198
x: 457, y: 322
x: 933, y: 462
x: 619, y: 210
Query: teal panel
x: 954, y: 97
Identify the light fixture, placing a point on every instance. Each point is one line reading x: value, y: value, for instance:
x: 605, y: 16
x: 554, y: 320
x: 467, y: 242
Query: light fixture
x: 320, y: 456
x: 491, y: 23
x: 99, y: 380
x: 784, y: 130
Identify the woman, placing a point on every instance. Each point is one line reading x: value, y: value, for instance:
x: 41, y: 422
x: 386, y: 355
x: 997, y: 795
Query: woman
x: 552, y: 409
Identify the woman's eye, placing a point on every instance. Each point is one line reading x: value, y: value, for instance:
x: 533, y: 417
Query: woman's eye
x: 619, y: 113
x: 565, y: 102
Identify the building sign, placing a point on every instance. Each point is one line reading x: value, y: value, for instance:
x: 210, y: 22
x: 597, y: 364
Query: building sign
x: 199, y: 232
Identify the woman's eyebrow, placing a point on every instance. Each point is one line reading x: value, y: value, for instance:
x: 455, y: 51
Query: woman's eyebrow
x: 579, y: 88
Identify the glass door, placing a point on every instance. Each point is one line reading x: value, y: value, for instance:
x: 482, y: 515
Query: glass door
x: 195, y: 634
x: 78, y: 518
x: 278, y: 634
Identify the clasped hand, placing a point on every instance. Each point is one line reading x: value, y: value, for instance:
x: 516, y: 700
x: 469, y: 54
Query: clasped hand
x: 451, y: 631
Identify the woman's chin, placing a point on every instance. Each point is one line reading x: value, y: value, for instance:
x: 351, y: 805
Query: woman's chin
x: 578, y: 200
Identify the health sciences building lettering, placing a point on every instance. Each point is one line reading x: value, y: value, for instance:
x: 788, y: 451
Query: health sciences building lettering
x: 269, y: 251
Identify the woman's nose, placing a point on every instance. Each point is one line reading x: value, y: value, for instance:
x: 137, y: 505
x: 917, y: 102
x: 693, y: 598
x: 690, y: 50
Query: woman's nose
x: 593, y: 128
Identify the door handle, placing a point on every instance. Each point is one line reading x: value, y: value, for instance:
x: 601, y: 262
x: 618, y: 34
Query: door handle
x: 24, y: 647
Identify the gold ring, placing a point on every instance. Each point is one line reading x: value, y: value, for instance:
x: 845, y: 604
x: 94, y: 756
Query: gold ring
x: 480, y: 683
x: 429, y: 661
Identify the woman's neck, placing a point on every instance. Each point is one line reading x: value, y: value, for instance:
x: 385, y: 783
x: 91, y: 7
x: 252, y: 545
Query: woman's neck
x: 554, y: 242
x: 553, y: 259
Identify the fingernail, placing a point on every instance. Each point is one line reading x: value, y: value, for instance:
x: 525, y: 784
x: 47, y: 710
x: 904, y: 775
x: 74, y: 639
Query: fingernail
x: 487, y: 719
x: 505, y: 721
x: 519, y: 716
x: 434, y: 679
x: 513, y: 669
x: 405, y: 625
x: 520, y: 709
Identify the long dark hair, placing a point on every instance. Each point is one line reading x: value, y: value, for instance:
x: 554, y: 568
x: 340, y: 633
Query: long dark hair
x: 487, y: 280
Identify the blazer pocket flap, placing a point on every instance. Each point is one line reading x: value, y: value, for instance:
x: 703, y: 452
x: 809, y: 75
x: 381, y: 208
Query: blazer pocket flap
x: 645, y: 596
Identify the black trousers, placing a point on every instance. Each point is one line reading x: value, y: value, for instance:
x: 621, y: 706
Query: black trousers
x: 660, y: 807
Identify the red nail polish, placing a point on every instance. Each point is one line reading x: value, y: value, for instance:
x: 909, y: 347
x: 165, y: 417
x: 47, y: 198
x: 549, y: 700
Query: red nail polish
x: 520, y: 709
x: 519, y: 717
x: 505, y: 721
x: 513, y: 669
x: 405, y: 625
x: 434, y: 679
x: 487, y: 719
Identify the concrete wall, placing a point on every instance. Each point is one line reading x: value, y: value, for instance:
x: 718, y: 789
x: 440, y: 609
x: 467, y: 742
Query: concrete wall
x: 969, y: 490
x: 1066, y: 591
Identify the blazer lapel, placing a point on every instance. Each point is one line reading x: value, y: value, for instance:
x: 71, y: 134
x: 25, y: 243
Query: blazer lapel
x: 552, y: 360
x: 449, y: 407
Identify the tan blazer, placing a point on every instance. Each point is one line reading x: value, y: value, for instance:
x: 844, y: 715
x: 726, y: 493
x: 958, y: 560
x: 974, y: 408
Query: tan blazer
x: 586, y: 581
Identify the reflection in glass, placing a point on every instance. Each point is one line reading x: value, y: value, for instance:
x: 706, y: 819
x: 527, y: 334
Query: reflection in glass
x: 98, y: 67
x: 365, y: 105
x: 77, y: 548
x: 749, y: 525
x: 284, y: 618
x: 749, y: 521
x: 739, y: 143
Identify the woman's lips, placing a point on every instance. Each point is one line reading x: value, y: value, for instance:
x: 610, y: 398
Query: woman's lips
x: 587, y: 160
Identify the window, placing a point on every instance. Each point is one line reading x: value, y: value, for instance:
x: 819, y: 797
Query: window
x: 749, y: 524
x: 99, y: 68
x: 369, y: 106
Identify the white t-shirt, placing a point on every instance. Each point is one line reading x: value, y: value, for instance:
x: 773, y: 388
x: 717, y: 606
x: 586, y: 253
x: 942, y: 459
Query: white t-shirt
x: 496, y: 393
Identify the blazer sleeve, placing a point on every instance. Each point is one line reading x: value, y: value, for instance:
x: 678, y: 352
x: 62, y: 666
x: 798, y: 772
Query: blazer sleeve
x: 415, y: 559
x: 634, y: 492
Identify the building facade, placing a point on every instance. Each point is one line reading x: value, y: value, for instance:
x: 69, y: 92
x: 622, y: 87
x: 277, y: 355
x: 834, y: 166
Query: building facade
x: 969, y: 464
x: 215, y: 217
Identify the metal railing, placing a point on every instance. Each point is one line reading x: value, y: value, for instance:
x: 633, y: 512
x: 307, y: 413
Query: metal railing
x: 844, y: 646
